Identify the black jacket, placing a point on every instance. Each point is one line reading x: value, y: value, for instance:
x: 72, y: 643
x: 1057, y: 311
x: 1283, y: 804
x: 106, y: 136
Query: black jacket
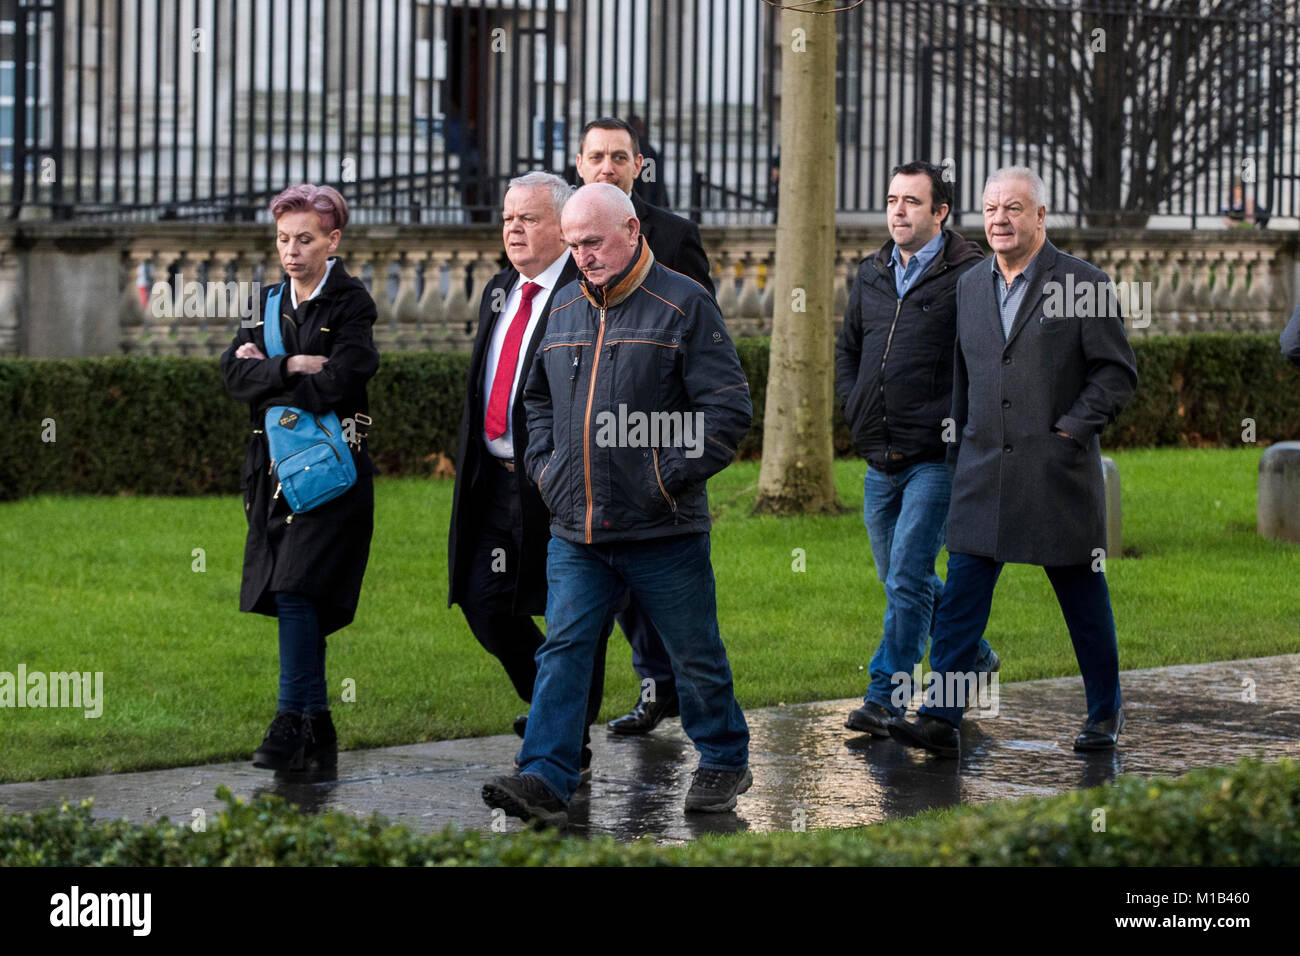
x: 674, y: 241
x: 532, y: 535
x: 893, y: 359
x: 650, y: 346
x: 321, y: 553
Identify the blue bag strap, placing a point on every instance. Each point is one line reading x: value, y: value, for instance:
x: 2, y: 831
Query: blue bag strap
x: 271, y: 323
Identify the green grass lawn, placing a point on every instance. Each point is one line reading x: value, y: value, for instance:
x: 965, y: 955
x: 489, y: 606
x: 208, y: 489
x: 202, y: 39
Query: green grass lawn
x: 106, y: 584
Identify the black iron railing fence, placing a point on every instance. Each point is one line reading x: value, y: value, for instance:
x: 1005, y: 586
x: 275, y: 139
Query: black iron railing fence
x: 420, y: 110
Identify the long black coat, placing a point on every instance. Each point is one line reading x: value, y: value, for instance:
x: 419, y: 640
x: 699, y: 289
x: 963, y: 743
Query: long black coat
x: 531, y: 538
x: 675, y: 242
x: 323, y: 552
x: 1020, y: 492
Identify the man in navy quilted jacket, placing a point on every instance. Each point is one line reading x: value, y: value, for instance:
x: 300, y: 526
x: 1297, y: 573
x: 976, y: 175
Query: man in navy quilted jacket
x: 635, y: 399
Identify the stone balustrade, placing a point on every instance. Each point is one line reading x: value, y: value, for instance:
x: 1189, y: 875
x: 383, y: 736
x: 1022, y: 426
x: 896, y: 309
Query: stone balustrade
x: 427, y: 281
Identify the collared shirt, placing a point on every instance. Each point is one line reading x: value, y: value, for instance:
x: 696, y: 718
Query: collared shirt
x: 1009, y: 299
x: 504, y: 446
x: 293, y: 292
x: 904, y: 279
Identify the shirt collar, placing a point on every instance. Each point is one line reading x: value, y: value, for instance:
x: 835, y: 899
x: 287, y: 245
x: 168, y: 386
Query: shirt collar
x: 549, y: 276
x: 293, y: 293
x: 1027, y: 273
x: 922, y: 255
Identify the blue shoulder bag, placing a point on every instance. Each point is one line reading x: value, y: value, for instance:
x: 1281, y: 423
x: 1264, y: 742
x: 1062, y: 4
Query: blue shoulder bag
x: 311, y: 461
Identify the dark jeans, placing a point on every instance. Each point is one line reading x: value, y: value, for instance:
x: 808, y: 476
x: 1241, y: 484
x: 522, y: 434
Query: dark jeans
x: 906, y: 513
x: 649, y: 656
x: 1085, y: 603
x: 302, y: 654
x: 513, y: 639
x: 672, y: 579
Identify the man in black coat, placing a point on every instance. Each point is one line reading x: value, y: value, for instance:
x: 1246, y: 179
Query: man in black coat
x: 609, y: 152
x: 893, y: 375
x: 496, y: 558
x: 1042, y: 365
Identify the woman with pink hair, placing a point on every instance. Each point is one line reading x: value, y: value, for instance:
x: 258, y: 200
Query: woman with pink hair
x: 306, y: 568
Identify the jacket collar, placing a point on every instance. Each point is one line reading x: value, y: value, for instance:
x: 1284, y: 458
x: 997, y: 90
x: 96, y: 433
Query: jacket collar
x: 956, y: 249
x: 625, y: 283
x: 335, y: 279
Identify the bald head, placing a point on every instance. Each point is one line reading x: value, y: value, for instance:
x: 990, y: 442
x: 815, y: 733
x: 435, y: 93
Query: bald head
x: 600, y: 226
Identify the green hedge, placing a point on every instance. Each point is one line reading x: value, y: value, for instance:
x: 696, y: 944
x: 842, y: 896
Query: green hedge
x: 165, y: 426
x: 1244, y: 815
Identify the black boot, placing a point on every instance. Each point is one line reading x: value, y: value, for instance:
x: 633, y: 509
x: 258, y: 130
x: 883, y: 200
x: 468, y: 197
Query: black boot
x: 321, y: 750
x: 282, y: 747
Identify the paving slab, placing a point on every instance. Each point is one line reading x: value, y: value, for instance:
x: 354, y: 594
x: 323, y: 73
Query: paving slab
x: 808, y: 769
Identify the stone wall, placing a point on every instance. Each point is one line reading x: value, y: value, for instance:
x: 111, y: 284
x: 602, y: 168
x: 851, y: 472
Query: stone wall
x: 73, y: 290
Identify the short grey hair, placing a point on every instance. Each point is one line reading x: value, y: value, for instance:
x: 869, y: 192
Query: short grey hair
x: 1037, y: 189
x: 560, y: 190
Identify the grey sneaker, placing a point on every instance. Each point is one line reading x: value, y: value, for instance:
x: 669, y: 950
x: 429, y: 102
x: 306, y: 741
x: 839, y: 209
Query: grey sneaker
x: 715, y: 791
x: 526, y: 796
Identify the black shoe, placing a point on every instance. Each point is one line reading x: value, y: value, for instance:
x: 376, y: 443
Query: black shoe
x: 282, y: 747
x: 321, y: 747
x: 933, y: 734
x: 996, y: 666
x: 871, y: 718
x: 525, y: 796
x: 645, y: 716
x: 521, y: 726
x: 715, y: 791
x: 1100, y: 734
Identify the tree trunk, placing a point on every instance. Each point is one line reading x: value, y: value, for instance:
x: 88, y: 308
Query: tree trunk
x: 796, y: 476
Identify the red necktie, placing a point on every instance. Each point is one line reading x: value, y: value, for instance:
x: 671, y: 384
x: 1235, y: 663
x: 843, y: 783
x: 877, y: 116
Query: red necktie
x: 498, y: 407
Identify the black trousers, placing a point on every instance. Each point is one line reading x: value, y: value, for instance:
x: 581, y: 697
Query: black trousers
x: 489, y: 597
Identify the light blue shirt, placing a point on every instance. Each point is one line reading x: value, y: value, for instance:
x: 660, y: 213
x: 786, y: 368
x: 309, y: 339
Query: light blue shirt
x: 1009, y: 299
x: 904, y: 279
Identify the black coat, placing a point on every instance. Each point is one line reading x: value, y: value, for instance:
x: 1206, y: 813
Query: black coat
x: 1020, y: 492
x: 893, y: 357
x: 675, y: 242
x: 532, y: 537
x: 321, y: 553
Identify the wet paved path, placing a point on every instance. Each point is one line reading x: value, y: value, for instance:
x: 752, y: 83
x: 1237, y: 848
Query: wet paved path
x: 806, y: 765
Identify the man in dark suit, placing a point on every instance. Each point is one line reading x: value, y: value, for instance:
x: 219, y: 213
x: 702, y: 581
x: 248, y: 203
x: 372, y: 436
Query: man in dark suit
x: 1042, y: 365
x: 500, y: 526
x: 609, y: 152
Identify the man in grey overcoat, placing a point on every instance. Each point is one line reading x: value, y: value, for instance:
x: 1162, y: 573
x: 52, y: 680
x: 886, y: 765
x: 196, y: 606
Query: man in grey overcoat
x: 1042, y: 364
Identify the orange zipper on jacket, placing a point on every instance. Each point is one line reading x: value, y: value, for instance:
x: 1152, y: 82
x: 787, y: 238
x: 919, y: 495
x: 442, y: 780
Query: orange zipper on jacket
x: 586, y: 424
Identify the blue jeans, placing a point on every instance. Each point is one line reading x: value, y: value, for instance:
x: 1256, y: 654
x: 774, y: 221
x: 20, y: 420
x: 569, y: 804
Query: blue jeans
x: 906, y: 514
x: 672, y: 580
x: 302, y: 654
x: 1085, y: 605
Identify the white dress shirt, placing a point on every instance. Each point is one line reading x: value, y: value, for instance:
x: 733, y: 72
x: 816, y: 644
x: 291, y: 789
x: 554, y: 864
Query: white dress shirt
x: 504, y: 447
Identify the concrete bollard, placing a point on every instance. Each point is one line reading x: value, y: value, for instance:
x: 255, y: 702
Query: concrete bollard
x: 1279, y: 491
x: 1114, y: 511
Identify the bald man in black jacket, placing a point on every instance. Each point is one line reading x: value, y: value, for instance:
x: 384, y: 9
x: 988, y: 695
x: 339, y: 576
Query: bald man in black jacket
x: 609, y: 152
